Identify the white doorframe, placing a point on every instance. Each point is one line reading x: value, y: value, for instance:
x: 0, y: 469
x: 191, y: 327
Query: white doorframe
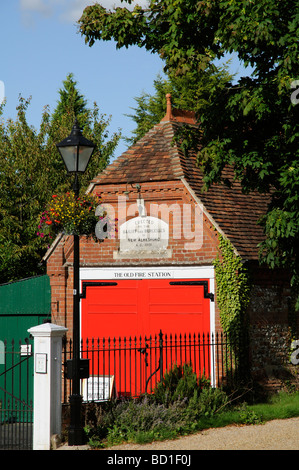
x: 158, y: 272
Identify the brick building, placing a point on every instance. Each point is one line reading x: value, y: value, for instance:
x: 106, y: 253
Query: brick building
x: 157, y: 271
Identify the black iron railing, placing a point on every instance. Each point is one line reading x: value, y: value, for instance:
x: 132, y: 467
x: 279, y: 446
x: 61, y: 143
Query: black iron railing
x: 130, y: 367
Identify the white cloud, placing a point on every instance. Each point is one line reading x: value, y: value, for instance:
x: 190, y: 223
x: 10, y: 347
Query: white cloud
x: 74, y: 8
x: 38, y: 6
x: 68, y: 10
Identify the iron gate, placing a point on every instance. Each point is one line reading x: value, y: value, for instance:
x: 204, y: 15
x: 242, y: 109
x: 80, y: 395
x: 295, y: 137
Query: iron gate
x: 16, y: 395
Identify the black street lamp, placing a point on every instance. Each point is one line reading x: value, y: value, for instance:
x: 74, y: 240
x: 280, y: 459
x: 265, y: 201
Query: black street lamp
x: 76, y: 151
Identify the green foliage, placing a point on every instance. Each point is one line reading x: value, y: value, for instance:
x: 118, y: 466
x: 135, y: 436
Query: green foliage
x: 233, y: 290
x: 140, y: 420
x: 136, y: 417
x: 189, y: 92
x: 206, y: 403
x: 248, y: 416
x: 146, y: 419
x: 279, y: 406
x: 67, y: 214
x: 178, y: 383
x: 175, y: 408
x: 31, y: 171
x: 70, y: 98
x: 150, y: 109
x: 167, y: 27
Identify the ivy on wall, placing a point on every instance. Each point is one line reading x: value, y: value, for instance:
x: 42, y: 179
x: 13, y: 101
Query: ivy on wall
x: 233, y: 290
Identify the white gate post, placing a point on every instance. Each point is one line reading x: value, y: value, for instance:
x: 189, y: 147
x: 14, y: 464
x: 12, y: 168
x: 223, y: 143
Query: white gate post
x: 47, y: 383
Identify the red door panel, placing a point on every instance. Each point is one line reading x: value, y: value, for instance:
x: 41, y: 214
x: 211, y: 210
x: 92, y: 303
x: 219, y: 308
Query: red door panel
x: 177, y: 308
x: 143, y: 307
x: 135, y: 309
x: 109, y: 311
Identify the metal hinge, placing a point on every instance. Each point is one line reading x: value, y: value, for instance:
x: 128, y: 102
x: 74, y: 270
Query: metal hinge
x: 205, y: 284
x: 92, y: 284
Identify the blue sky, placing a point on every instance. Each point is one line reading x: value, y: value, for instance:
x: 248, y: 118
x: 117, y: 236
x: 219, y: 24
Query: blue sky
x: 40, y: 45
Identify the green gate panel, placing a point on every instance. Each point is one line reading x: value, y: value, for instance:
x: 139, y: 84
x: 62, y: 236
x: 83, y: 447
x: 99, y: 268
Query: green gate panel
x: 27, y: 296
x: 24, y: 304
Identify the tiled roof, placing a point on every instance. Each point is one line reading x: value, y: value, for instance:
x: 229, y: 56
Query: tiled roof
x: 152, y: 158
x: 234, y: 212
x: 156, y: 158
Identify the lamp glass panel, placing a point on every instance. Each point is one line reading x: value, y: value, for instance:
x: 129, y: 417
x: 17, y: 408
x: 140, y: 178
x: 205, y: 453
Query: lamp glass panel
x: 69, y: 155
x: 84, y: 156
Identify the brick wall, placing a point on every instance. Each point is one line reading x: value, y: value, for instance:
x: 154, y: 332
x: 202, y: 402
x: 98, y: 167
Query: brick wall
x: 272, y: 324
x: 269, y: 307
x: 173, y: 195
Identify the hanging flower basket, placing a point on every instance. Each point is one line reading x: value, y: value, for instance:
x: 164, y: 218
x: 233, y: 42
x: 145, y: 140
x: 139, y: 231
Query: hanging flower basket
x: 70, y: 215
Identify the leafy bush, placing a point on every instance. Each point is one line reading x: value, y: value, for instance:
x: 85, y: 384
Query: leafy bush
x: 141, y: 420
x: 142, y: 417
x: 179, y: 383
x: 99, y: 418
x: 175, y: 408
x: 207, y: 403
x: 145, y: 420
x: 248, y: 416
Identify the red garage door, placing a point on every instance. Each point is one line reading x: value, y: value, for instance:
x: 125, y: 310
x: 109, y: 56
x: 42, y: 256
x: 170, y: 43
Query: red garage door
x: 144, y: 307
x: 135, y: 309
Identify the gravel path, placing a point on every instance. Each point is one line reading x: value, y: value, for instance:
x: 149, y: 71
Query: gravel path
x: 273, y: 435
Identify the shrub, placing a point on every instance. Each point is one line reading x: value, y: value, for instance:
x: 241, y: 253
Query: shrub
x: 143, y: 420
x: 176, y: 406
x: 248, y: 416
x: 207, y: 403
x: 179, y: 383
x: 98, y: 418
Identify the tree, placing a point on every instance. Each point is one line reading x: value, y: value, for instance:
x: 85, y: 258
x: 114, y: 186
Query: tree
x: 252, y: 126
x: 70, y: 98
x: 189, y: 92
x: 31, y: 171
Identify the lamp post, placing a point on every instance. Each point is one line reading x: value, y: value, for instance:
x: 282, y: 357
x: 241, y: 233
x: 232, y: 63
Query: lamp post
x: 76, y: 151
